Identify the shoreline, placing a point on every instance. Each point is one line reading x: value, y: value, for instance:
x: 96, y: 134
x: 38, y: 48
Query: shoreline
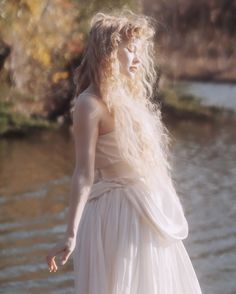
x: 183, y: 78
x: 174, y: 106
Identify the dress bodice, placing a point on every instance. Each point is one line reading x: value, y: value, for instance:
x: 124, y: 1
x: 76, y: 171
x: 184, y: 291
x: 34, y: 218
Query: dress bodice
x: 108, y: 160
x: 107, y: 151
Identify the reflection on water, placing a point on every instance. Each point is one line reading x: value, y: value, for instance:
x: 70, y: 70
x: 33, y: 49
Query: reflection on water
x: 35, y: 178
x: 222, y: 95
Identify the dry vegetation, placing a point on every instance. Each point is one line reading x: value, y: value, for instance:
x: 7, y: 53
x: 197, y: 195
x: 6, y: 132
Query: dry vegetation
x: 41, y: 43
x: 195, y: 39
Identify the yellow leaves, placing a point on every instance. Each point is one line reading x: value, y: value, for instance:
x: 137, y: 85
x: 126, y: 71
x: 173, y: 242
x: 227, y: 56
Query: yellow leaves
x: 60, y: 75
x: 44, y: 37
x: 39, y: 50
x: 35, y: 7
x: 41, y: 54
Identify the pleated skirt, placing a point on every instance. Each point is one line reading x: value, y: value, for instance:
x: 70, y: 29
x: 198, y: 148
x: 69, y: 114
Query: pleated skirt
x: 117, y: 253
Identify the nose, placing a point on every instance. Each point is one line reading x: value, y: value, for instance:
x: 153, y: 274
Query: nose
x: 136, y: 61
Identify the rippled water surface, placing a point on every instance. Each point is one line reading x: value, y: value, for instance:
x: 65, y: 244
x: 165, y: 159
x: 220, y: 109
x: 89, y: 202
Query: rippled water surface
x: 35, y: 178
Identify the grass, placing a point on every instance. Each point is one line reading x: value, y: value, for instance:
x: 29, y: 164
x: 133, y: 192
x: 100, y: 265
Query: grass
x: 12, y: 122
x: 186, y: 106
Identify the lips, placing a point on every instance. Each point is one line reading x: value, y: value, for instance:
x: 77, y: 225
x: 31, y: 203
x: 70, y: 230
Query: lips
x: 133, y: 68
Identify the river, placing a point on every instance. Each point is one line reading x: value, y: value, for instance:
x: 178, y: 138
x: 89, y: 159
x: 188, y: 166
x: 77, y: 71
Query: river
x: 35, y: 175
x: 218, y: 94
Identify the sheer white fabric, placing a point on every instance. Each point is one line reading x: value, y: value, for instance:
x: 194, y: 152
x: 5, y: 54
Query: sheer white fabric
x: 122, y: 246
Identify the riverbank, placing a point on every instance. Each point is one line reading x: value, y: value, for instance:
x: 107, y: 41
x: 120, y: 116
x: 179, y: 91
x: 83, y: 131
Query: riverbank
x: 13, y: 123
x: 174, y: 104
x: 177, y: 105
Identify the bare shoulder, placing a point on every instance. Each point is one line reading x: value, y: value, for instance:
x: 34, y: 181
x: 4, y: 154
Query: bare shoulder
x: 87, y: 104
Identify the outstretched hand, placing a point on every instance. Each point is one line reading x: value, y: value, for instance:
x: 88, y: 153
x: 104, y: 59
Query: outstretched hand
x: 63, y: 248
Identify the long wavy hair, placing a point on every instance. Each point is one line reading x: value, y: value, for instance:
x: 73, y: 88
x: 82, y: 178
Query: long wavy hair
x: 141, y: 135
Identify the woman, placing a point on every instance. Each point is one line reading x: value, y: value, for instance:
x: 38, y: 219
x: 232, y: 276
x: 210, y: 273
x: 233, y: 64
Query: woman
x: 125, y: 221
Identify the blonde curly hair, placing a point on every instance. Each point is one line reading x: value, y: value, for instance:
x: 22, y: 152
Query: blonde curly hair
x: 142, y: 137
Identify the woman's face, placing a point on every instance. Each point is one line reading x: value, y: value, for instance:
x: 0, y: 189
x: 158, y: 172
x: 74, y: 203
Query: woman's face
x: 128, y: 57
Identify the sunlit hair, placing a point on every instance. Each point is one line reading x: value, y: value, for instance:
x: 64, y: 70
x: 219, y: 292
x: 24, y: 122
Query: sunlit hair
x: 142, y: 137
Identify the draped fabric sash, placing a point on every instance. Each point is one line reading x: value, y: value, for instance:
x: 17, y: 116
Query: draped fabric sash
x: 164, y: 214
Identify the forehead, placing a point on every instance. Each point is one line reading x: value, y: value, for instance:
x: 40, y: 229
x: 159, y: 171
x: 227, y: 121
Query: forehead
x: 137, y: 43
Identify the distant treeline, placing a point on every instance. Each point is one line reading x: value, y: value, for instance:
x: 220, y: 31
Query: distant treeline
x: 41, y: 43
x: 196, y: 39
x: 185, y: 15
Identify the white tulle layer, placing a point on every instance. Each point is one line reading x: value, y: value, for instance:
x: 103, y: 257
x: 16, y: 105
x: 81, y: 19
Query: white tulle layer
x: 117, y: 253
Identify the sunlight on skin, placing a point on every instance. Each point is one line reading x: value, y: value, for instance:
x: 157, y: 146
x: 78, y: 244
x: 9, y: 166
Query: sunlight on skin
x: 128, y: 57
x: 64, y: 248
x: 52, y: 265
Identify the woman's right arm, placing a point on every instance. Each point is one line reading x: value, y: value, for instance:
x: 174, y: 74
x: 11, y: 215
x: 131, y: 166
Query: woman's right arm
x: 86, y: 118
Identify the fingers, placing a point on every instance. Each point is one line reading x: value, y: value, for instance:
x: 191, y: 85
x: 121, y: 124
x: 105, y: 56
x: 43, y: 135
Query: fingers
x: 62, y: 249
x: 52, y: 266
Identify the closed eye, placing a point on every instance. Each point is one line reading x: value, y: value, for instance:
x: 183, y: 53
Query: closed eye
x: 130, y: 50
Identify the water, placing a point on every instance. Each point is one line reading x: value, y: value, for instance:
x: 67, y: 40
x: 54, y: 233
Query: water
x: 35, y: 178
x: 222, y: 95
x: 205, y: 169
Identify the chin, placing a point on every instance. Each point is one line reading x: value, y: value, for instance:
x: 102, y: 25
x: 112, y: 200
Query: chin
x: 131, y: 74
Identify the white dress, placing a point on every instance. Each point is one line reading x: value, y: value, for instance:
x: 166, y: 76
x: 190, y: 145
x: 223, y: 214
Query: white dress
x: 118, y: 249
